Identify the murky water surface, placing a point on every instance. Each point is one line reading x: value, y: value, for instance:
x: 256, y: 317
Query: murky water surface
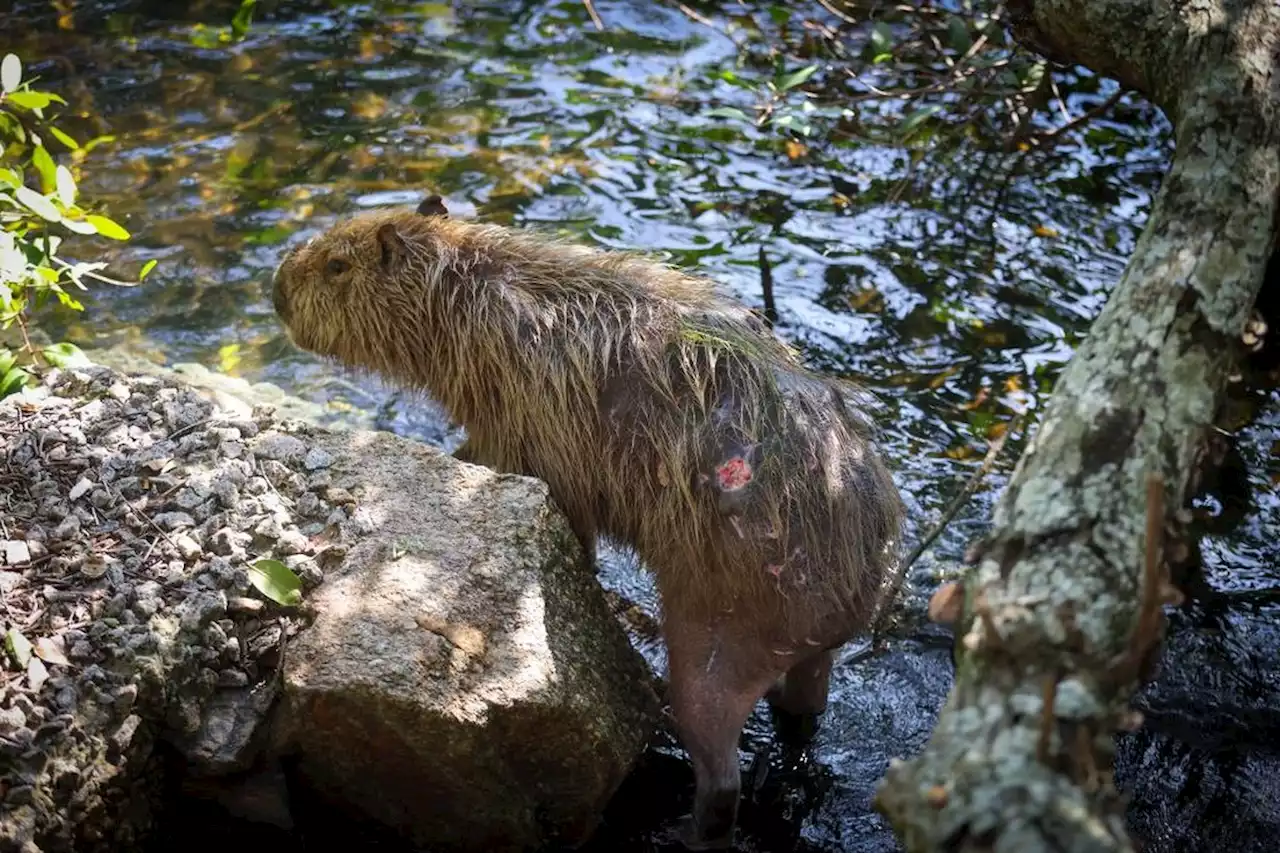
x: 952, y: 278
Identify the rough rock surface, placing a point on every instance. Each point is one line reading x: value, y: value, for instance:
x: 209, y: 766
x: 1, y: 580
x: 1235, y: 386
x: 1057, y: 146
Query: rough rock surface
x: 132, y: 509
x: 464, y: 679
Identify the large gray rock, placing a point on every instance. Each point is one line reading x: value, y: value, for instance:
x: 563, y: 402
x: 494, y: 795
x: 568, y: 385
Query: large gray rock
x: 464, y: 680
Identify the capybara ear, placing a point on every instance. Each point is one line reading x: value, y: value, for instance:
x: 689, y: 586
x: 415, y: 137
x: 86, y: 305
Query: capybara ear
x: 432, y: 205
x: 392, y: 244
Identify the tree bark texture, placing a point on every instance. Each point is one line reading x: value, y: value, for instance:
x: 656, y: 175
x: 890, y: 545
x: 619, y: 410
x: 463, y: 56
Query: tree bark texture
x: 1054, y: 636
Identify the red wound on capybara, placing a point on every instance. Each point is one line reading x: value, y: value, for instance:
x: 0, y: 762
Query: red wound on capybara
x: 734, y: 474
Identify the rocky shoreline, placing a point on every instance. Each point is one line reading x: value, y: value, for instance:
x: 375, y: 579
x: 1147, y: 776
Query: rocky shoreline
x: 135, y: 512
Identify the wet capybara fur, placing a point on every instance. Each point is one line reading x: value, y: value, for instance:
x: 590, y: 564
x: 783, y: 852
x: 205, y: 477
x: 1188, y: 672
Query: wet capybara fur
x: 662, y: 415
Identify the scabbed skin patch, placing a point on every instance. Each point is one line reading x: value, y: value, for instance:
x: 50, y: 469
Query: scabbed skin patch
x: 734, y: 474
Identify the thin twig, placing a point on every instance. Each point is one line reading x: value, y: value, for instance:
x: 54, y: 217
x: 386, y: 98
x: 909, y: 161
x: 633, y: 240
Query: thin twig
x: 697, y: 16
x: 993, y: 451
x: 1146, y: 632
x: 826, y: 4
x: 1079, y: 120
x: 595, y: 18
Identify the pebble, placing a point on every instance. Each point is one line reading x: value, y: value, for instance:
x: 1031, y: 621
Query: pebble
x: 201, y: 609
x: 292, y: 542
x: 306, y: 568
x: 317, y: 457
x: 244, y: 605
x: 339, y: 496
x: 188, y: 547
x: 171, y: 521
x: 16, y: 552
x: 228, y: 542
x: 82, y: 486
x: 310, y: 505
x: 11, y: 719
x: 279, y: 447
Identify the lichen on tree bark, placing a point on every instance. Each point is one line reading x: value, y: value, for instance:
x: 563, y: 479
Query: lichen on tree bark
x: 1051, y: 643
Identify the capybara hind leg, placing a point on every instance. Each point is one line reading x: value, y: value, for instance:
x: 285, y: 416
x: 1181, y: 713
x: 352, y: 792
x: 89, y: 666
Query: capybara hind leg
x: 799, y: 698
x: 714, y: 684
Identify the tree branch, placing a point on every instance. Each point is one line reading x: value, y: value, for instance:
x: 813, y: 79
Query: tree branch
x: 1061, y: 611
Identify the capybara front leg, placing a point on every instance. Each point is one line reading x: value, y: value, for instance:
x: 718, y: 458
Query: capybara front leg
x: 799, y: 699
x: 465, y: 452
x: 713, y: 687
x: 587, y: 538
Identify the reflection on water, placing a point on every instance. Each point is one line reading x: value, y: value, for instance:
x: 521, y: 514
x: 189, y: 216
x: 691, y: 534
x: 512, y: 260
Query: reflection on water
x: 953, y: 284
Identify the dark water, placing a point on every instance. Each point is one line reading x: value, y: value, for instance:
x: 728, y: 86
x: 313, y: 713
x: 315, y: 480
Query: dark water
x: 952, y: 276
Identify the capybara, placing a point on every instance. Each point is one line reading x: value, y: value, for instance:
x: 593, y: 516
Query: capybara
x: 662, y: 415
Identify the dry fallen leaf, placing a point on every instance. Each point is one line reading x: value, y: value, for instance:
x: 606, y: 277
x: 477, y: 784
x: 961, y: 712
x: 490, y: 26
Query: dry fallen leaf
x: 52, y: 650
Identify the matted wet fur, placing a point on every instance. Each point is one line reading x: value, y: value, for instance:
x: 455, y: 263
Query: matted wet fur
x: 662, y: 415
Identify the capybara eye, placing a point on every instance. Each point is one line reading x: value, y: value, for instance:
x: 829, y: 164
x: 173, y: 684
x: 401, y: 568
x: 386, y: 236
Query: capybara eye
x: 336, y: 266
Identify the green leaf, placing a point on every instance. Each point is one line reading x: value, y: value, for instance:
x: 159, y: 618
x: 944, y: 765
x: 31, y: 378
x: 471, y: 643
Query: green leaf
x: 795, y: 78
x: 66, y: 185
x: 8, y: 176
x: 107, y: 227
x: 79, y: 226
x: 29, y: 100
x: 98, y: 140
x: 727, y: 112
x: 10, y: 73
x: 37, y: 203
x: 733, y: 79
x: 13, y: 127
x: 958, y: 34
x: 274, y: 580
x: 18, y: 646
x: 65, y: 355
x: 46, y: 167
x: 7, y: 360
x: 146, y: 268
x: 63, y: 137
x: 244, y: 17
x: 1031, y: 80
x: 881, y: 38
x: 914, y: 119
x: 66, y: 300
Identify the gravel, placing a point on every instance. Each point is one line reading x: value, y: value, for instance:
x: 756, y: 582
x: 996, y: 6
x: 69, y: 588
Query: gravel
x: 132, y: 510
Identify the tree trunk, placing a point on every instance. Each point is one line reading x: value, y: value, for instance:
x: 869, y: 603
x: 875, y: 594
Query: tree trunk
x: 1061, y: 620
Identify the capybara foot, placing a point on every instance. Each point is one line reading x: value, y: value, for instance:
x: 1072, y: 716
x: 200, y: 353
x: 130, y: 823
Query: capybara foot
x: 694, y: 837
x: 795, y: 730
x: 799, y: 699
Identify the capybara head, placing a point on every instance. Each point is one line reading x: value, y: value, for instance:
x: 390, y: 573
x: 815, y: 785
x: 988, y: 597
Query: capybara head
x: 336, y: 294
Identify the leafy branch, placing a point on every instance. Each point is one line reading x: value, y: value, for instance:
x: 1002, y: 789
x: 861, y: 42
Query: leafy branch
x: 32, y: 270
